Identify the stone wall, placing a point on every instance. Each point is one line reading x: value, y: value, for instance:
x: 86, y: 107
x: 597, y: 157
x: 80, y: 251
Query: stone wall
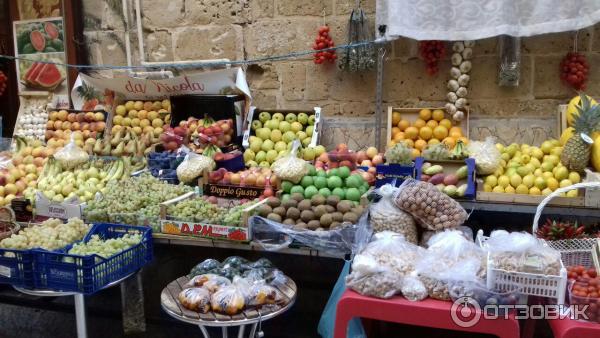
x: 236, y: 29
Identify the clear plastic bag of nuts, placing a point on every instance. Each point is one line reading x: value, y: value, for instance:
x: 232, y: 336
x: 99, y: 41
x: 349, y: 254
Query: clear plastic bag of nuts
x: 385, y: 215
x: 433, y: 209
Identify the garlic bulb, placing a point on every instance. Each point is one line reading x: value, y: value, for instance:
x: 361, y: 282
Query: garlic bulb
x: 465, y: 67
x: 450, y: 108
x: 458, y: 116
x: 456, y: 59
x: 461, y: 92
x: 467, y: 53
x: 453, y: 85
x: 451, y: 96
x: 458, y: 46
x: 455, y: 72
x: 469, y: 43
x: 460, y: 103
x: 463, y: 80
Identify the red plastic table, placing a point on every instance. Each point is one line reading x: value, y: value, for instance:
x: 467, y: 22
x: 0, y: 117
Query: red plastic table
x: 568, y: 328
x: 426, y: 313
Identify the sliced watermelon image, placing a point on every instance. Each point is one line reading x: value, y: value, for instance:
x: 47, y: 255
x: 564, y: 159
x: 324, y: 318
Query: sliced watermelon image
x: 51, y: 30
x: 33, y: 72
x: 38, y: 41
x: 49, y: 77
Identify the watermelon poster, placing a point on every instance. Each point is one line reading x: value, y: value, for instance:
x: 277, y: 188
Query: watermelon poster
x: 41, y: 51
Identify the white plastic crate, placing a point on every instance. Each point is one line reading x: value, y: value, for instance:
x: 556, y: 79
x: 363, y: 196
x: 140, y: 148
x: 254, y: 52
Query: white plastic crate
x: 530, y: 284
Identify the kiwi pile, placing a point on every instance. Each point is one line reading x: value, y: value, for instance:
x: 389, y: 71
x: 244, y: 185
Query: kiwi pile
x: 317, y: 213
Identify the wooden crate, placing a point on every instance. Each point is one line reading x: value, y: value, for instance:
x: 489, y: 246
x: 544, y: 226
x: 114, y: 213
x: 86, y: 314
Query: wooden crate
x: 412, y: 114
x: 561, y: 119
x: 483, y: 196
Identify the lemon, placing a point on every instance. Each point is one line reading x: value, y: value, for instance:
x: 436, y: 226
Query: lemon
x: 500, y: 147
x: 552, y: 183
x: 547, y: 166
x: 546, y: 192
x: 522, y: 189
x: 534, y: 162
x: 561, y: 173
x: 503, y: 181
x: 524, y: 170
x: 539, y: 183
x: 491, y: 180
x: 546, y: 147
x: 498, y: 189
x: 572, y: 193
x: 565, y: 183
x: 556, y: 151
x: 438, y: 115
x: 538, y: 172
x: 554, y: 159
x: 537, y: 153
x: 574, y: 177
x: 515, y: 180
x: 529, y: 180
x: 547, y: 175
x: 535, y: 191
x: 509, y: 190
x: 487, y: 188
x: 505, y: 156
x: 425, y: 114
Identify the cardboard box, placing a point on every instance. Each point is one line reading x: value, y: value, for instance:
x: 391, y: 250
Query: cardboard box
x: 254, y: 112
x: 62, y: 210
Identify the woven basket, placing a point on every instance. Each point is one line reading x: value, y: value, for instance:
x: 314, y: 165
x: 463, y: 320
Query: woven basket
x: 8, y: 225
x: 576, y: 251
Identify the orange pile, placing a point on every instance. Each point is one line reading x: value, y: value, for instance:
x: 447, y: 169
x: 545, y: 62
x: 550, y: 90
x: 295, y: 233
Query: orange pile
x: 430, y: 128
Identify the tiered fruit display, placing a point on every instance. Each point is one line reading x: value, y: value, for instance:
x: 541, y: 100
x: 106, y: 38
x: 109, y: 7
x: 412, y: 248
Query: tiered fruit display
x: 315, y: 213
x: 142, y: 117
x: 451, y: 184
x: 251, y: 177
x: 531, y: 170
x: 338, y: 181
x: 85, y: 125
x: 273, y: 136
x: 133, y: 200
x: 23, y: 171
x: 52, y: 234
x: 83, y: 182
x: 432, y: 127
x: 204, y: 210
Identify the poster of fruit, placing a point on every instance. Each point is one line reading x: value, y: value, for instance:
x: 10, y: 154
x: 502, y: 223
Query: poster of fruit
x: 39, y: 36
x: 37, y: 9
x: 36, y: 75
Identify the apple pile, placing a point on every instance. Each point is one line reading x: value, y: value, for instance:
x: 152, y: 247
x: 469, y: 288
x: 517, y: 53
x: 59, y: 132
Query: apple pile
x: 173, y: 138
x: 585, y: 290
x: 343, y: 157
x: 274, y: 134
x: 251, y: 177
x: 62, y: 123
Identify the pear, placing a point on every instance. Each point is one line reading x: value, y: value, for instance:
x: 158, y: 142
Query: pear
x: 88, y: 148
x: 118, y: 151
x: 90, y: 141
x: 98, y: 147
x: 106, y: 149
x: 130, y: 148
x: 127, y: 136
x: 116, y: 138
x: 140, y: 148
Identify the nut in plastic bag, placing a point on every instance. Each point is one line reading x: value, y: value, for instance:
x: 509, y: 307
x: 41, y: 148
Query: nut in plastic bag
x: 71, y: 156
x: 487, y: 156
x: 413, y: 289
x: 291, y: 168
x: 372, y: 279
x: 193, y: 166
x: 385, y: 215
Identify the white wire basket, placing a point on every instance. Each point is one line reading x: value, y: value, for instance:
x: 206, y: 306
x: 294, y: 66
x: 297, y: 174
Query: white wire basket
x: 531, y: 284
x: 577, y: 251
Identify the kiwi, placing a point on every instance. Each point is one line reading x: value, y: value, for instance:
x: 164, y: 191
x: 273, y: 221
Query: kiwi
x: 274, y: 202
x: 344, y: 206
x: 319, y: 229
x: 329, y: 208
x: 304, y: 205
x: 333, y: 200
x: 326, y: 220
x: 300, y: 226
x: 313, y: 225
x: 297, y: 196
x: 299, y: 223
x: 290, y: 203
x: 307, y: 215
x: 358, y: 210
x: 350, y: 217
x: 335, y: 225
x: 274, y: 217
x: 337, y: 216
x: 265, y: 210
x: 289, y: 221
x: 280, y: 211
x: 317, y: 200
x: 293, y: 213
x: 319, y: 210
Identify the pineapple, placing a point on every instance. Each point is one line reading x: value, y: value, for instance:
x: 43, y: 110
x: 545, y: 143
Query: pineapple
x: 576, y: 152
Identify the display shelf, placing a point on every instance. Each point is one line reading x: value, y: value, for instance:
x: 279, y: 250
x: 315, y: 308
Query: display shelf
x: 529, y: 209
x: 204, y: 242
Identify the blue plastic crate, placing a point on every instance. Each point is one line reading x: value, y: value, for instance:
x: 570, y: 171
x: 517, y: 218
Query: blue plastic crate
x: 88, y: 274
x: 16, y: 267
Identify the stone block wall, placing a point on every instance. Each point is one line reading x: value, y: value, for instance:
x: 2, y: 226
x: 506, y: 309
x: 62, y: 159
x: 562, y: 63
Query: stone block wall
x: 237, y: 29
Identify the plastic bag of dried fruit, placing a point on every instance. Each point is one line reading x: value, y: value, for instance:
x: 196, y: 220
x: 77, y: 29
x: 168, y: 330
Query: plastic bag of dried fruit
x: 291, y: 168
x: 433, y: 209
x: 71, y: 156
x: 385, y: 215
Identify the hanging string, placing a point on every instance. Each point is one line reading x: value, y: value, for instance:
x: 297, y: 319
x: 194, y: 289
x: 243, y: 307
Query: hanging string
x: 193, y: 65
x: 575, y: 42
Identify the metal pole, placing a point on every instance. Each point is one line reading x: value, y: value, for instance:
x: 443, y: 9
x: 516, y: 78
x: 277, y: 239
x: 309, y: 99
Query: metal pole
x: 204, y: 332
x: 80, y: 315
x: 379, y: 97
x: 224, y: 330
x: 241, y: 331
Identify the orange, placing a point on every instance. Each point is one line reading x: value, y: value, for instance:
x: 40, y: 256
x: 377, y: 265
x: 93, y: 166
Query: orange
x: 419, y: 123
x: 463, y: 139
x: 414, y: 153
x: 450, y: 142
x: 391, y: 143
x: 438, y: 115
x: 403, y: 124
x: 395, y: 130
x: 456, y: 130
x: 409, y: 143
x: 396, y: 118
x: 446, y: 123
x: 455, y: 134
x: 425, y: 114
x: 432, y: 124
x: 399, y: 136
x: 420, y: 144
x: 425, y: 133
x: 433, y: 141
x: 411, y: 133
x: 440, y: 132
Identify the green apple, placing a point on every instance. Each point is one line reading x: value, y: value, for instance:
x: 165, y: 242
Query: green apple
x: 291, y: 117
x: 263, y: 133
x: 272, y: 155
x: 311, y: 120
x: 289, y: 136
x: 276, y: 135
x: 309, y: 154
x: 264, y: 117
x: 260, y: 156
x: 249, y: 155
x: 284, y: 126
x: 267, y: 145
x: 310, y: 130
x: 303, y: 118
x: 296, y: 127
x: 252, y: 138
x: 256, y: 145
x: 264, y: 164
x: 301, y: 135
x: 278, y: 117
x: 251, y: 164
x: 256, y: 124
x: 280, y: 146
